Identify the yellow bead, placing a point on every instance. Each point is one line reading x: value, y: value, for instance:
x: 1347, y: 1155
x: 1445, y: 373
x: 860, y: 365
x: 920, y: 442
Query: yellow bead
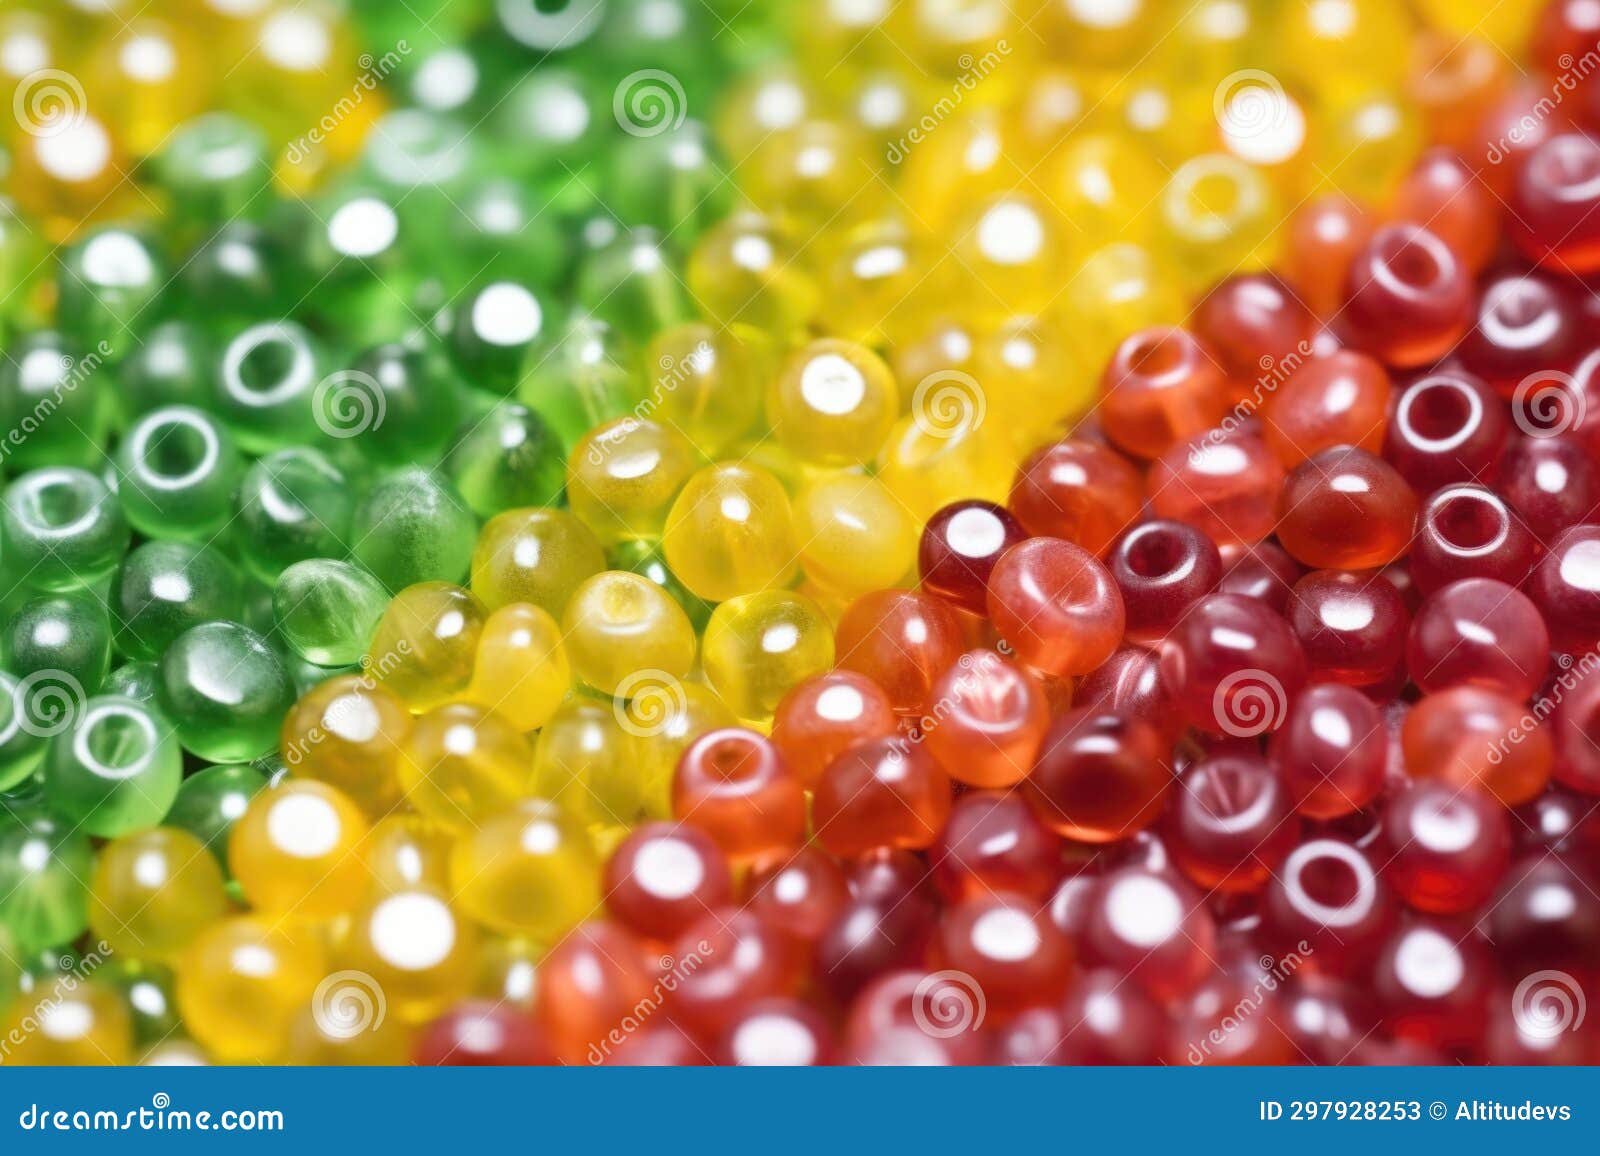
x: 1507, y: 25
x: 706, y: 383
x: 1106, y: 35
x: 664, y: 716
x: 1106, y: 185
x: 759, y: 646
x: 414, y: 948
x: 530, y: 871
x: 71, y: 173
x: 153, y: 891
x: 425, y: 643
x: 816, y: 175
x: 731, y: 532
x: 622, y: 477
x: 868, y: 282
x: 961, y: 162
x: 1034, y: 381
x: 406, y: 852
x: 1343, y: 45
x: 536, y: 556
x: 508, y: 970
x: 833, y: 404
x: 746, y: 271
x: 317, y: 1039
x: 1118, y: 290
x: 296, y: 850
x: 1368, y: 143
x: 1007, y: 258
x: 619, y: 624
x: 464, y: 763
x: 242, y: 983
x: 521, y: 673
x: 149, y: 77
x: 945, y: 450
x: 1218, y: 216
x: 854, y: 535
x: 769, y: 101
x: 972, y: 44
x: 71, y: 1022
x: 588, y: 764
x: 348, y: 732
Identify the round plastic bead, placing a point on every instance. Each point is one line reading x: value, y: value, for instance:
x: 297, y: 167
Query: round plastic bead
x: 1149, y: 926
x: 1328, y: 897
x: 885, y: 793
x: 1344, y: 509
x: 1161, y: 568
x: 1408, y: 298
x: 153, y: 891
x: 294, y: 851
x: 959, y: 547
x: 1338, y: 400
x: 1332, y: 751
x: 538, y: 556
x: 1099, y: 777
x: 529, y: 870
x: 1352, y: 626
x: 1233, y: 666
x: 833, y: 403
x: 663, y: 877
x: 506, y: 459
x: 162, y: 589
x: 1056, y: 606
x: 45, y: 867
x: 1565, y: 586
x: 520, y: 669
x: 327, y: 610
x: 1470, y: 737
x: 986, y: 722
x: 241, y: 981
x: 822, y: 717
x: 411, y: 526
x: 425, y: 645
x: 757, y: 647
x: 462, y: 764
x: 623, y: 476
x: 1469, y: 531
x: 730, y: 532
x: 902, y: 641
x: 854, y: 534
x: 225, y: 690
x: 733, y: 784
x: 61, y: 528
x: 1162, y: 386
x: 178, y: 471
x: 1479, y: 632
x: 116, y: 768
x: 1449, y: 847
x: 1446, y: 427
x: 348, y: 732
x: 1550, y: 201
x: 291, y: 505
x: 1079, y: 490
x: 617, y: 623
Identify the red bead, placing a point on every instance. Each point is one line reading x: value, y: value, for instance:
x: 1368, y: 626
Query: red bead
x: 1345, y: 509
x: 825, y: 716
x: 1327, y: 1019
x: 1565, y: 586
x: 886, y: 793
x: 914, y: 1017
x: 1264, y: 572
x: 1545, y: 915
x: 478, y: 1033
x: 1100, y: 777
x: 1207, y: 1028
x: 1552, y: 219
x: 867, y: 940
x: 1233, y: 666
x: 960, y: 545
x: 1078, y: 490
x: 1432, y: 982
x: 1511, y: 131
x: 1013, y: 954
x: 800, y: 896
x: 1352, y: 626
x: 663, y: 877
x: 732, y: 784
x: 723, y: 961
x: 1227, y: 487
x: 1325, y: 234
x: 1445, y: 196
x: 987, y: 720
x: 1332, y: 751
x: 1575, y: 731
x: 1229, y: 824
x: 1253, y: 323
x: 588, y: 984
x: 658, y: 1045
x: 1327, y: 903
x: 1446, y: 427
x: 1468, y: 531
x: 1551, y: 482
x: 1108, y: 1021
x: 782, y: 1032
x: 1161, y: 568
x: 1408, y: 297
x: 1055, y: 606
x: 1338, y: 400
x: 1445, y: 848
x: 993, y: 843
x: 901, y: 640
x: 1162, y: 386
x: 1467, y: 736
x: 1479, y: 632
x: 1524, y: 323
x: 1129, y: 683
x: 1151, y: 927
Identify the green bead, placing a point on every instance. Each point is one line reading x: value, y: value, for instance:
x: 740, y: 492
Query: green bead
x: 548, y: 26
x: 211, y: 800
x: 236, y: 273
x: 414, y: 527
x: 265, y: 381
x: 670, y: 180
x: 135, y: 680
x: 147, y: 990
x: 422, y: 158
x: 164, y: 588
x: 494, y: 328
x: 327, y: 610
x: 106, y: 284
x: 60, y: 646
x: 507, y: 459
x: 645, y: 559
x: 21, y: 744
x: 578, y: 377
x: 116, y: 769
x: 292, y: 505
x: 44, y: 872
x: 226, y: 690
x: 52, y: 402
x: 180, y: 469
x: 212, y: 168
x: 398, y: 402
x: 631, y: 283
x: 643, y: 33
x: 61, y: 529
x: 502, y: 230
x: 173, y: 365
x: 550, y: 126
x: 359, y: 258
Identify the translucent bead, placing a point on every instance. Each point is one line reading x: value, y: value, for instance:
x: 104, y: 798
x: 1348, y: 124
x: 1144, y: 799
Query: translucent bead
x: 1479, y: 632
x: 537, y: 556
x: 1056, y: 606
x: 734, y: 785
x: 414, y: 947
x: 1468, y: 736
x: 43, y: 375
x: 266, y: 384
x: 1161, y: 568
x: 1331, y: 752
x: 1565, y: 589
x: 902, y: 641
x: 327, y: 610
x: 530, y: 870
x: 225, y: 690
x: 153, y: 891
x: 412, y: 526
x: 45, y: 867
x: 1079, y: 490
x: 521, y: 669
x: 580, y: 377
x: 74, y: 1024
x: 1408, y: 298
x: 348, y: 732
x: 61, y: 528
x: 988, y: 720
x: 833, y: 404
x: 505, y: 459
x: 425, y: 645
x: 822, y: 717
x: 855, y: 535
x: 1341, y: 399
x: 730, y: 532
x: 61, y: 647
x: 1233, y: 665
x: 1161, y: 386
x: 294, y: 851
x: 241, y: 982
x: 623, y: 476
x: 1352, y: 626
x: 759, y: 646
x: 116, y: 768
x: 178, y: 470
x: 211, y: 800
x: 163, y: 588
x: 463, y: 764
x: 1450, y: 846
x: 1346, y: 509
x: 745, y: 272
x: 944, y: 450
x: 881, y: 794
x: 617, y: 623
x: 663, y: 876
x: 1217, y: 216
x: 291, y: 505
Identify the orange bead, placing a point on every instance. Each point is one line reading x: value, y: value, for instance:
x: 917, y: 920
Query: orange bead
x: 733, y: 785
x: 827, y: 715
x: 902, y: 640
x: 1161, y: 386
x: 1471, y: 737
x: 883, y: 794
x: 1338, y: 400
x: 1056, y: 607
x: 1325, y: 235
x: 986, y: 721
x: 1345, y: 509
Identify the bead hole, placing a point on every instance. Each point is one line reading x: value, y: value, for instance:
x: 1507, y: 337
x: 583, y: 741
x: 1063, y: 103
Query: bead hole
x: 1468, y: 522
x: 1439, y: 411
x: 175, y: 450
x: 1157, y: 355
x: 733, y: 759
x: 1155, y: 555
x: 1413, y: 263
x: 59, y: 503
x: 116, y: 741
x: 1331, y: 882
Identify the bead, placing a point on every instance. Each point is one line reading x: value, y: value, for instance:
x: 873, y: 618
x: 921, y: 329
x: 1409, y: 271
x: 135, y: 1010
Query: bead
x: 163, y: 588
x: 733, y: 784
x: 1129, y: 684
x: 412, y: 526
x: 1468, y: 736
x: 1408, y: 298
x: 178, y: 471
x: 1551, y: 483
x: 959, y: 547
x: 902, y: 641
x: 1160, y: 569
x: 1446, y: 427
x: 757, y: 647
x: 1161, y: 386
x: 1576, y: 762
x: 77, y: 1024
x: 291, y: 505
x: 623, y: 476
x: 1525, y: 323
x: 1099, y: 777
x: 587, y: 985
x: 1478, y: 632
x: 1264, y: 572
x: 1007, y: 948
x: 1448, y: 846
x: 617, y: 623
x: 239, y: 984
x: 730, y: 532
x: 1252, y: 323
x: 1447, y: 198
x: 833, y: 403
x: 327, y: 610
x: 1225, y: 487
x: 506, y: 459
x: 1345, y: 509
x: 478, y: 1033
x: 211, y: 801
x: 663, y: 876
x: 414, y: 947
x: 1325, y: 235
x: 1149, y: 926
x: 115, y: 769
x: 585, y: 760
x: 738, y: 960
x: 1338, y: 400
x: 45, y: 867
x: 425, y: 645
x: 63, y: 644
x: 1230, y: 824
x: 153, y: 891
x: 1468, y: 531
x: 1565, y: 588
x: 62, y: 529
x: 800, y: 896
x: 1056, y: 605
x: 880, y: 794
x: 1327, y: 903
x: 348, y: 733
x: 1331, y: 752
x: 520, y: 669
x: 294, y: 850
x: 822, y: 717
x: 1550, y: 202
x: 225, y: 690
x: 580, y: 377
x: 1233, y: 666
x: 707, y: 384
x: 529, y: 870
x: 1433, y: 985
x: 855, y: 535
x: 1078, y: 490
x: 462, y: 764
x: 986, y: 722
x: 1351, y: 626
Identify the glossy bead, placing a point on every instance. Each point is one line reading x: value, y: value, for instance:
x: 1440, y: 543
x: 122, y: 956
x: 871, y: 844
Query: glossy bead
x: 1408, y: 298
x: 616, y: 623
x: 291, y: 505
x: 153, y: 891
x: 1233, y: 666
x: 959, y: 547
x: 349, y: 732
x: 478, y: 1033
x: 1328, y: 897
x: 1230, y: 823
x: 1444, y: 195
x: 1550, y: 202
x: 1448, y: 847
x: 1544, y: 915
x: 62, y: 529
x: 537, y: 556
x: 902, y: 641
x: 1478, y: 632
x: 663, y: 877
x: 1078, y: 490
x: 163, y: 588
x: 833, y: 403
x: 1565, y: 586
x: 730, y: 532
x: 1129, y: 683
x: 1056, y: 606
x: 1551, y: 482
x: 265, y: 385
x: 211, y: 801
x: 60, y: 647
x: 880, y: 794
x: 426, y: 642
x: 327, y: 610
x: 854, y: 534
x: 1161, y: 386
x: 1526, y: 322
x: 1572, y: 729
x: 521, y: 669
x: 1226, y: 487
x: 179, y: 469
x: 115, y: 769
x: 1264, y: 572
x: 1446, y: 427
x: 733, y: 784
x: 1351, y: 626
x: 707, y: 383
x: 822, y: 717
x: 506, y: 459
x: 1325, y: 234
x: 778, y: 1032
x: 1331, y: 752
x: 587, y: 985
x: 1099, y: 777
x: 412, y: 526
x: 1149, y: 926
x: 995, y: 843
x: 239, y: 984
x: 1468, y: 736
x: 1253, y: 322
x: 294, y: 850
x: 1345, y: 509
x: 45, y: 868
x: 411, y: 944
x: 225, y: 690
x: 462, y: 764
x: 1010, y: 951
x: 987, y: 719
x: 1161, y: 568
x: 757, y: 647
x: 737, y: 959
x: 800, y: 896
x: 623, y: 476
x: 1337, y: 400
x: 529, y: 870
x: 1468, y: 531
